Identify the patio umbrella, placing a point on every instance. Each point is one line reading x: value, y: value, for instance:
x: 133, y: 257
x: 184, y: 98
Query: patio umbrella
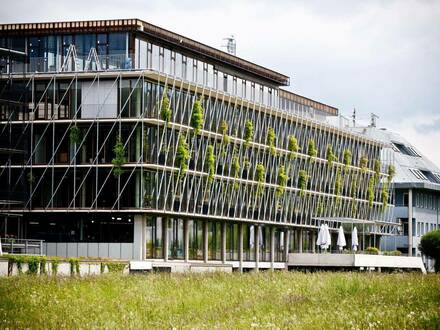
x: 251, y: 237
x: 328, y: 238
x: 341, y: 239
x: 354, y: 239
x: 320, y: 234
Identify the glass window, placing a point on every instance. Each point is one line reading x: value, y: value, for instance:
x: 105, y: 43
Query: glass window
x: 155, y: 59
x: 117, y: 43
x: 175, y: 239
x: 195, y: 230
x: 154, y: 245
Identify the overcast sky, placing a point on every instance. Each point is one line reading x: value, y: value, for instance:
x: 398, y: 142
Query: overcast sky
x: 377, y: 56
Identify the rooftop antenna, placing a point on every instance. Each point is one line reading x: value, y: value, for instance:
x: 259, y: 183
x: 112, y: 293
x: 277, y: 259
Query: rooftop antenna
x: 373, y: 121
x: 353, y: 116
x: 231, y: 45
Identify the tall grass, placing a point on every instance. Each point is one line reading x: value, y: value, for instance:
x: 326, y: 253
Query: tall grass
x: 257, y: 300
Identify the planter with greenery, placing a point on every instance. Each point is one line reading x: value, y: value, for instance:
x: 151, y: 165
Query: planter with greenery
x: 292, y: 147
x: 182, y: 155
x: 197, y: 116
x: 372, y: 250
x: 281, y: 180
x: 75, y: 135
x: 363, y: 164
x: 376, y: 170
x: 370, y: 192
x: 248, y: 132
x: 391, y: 173
x: 312, y: 151
x: 119, y: 158
x: 224, y: 130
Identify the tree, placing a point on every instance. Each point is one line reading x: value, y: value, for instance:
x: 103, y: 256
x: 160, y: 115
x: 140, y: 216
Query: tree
x: 281, y: 180
x: 430, y: 246
x: 165, y: 110
x: 210, y: 163
x: 197, y: 116
x: 271, y: 141
x: 293, y: 147
x: 248, y: 132
x: 182, y: 155
x: 119, y: 158
x: 331, y: 157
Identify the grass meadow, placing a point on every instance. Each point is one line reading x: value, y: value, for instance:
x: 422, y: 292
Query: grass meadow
x: 232, y: 301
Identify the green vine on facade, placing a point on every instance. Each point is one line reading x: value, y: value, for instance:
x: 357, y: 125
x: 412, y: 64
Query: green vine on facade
x: 385, y: 196
x: 281, y: 180
x: 376, y: 170
x: 271, y: 141
x: 370, y: 192
x: 338, y: 183
x: 182, y: 155
x: 302, y: 181
x: 347, y: 159
x: 391, y: 172
x: 293, y: 147
x: 364, y: 164
x: 224, y: 130
x: 260, y: 177
x: 331, y: 157
x: 197, y: 116
x: 248, y: 132
x: 312, y: 151
x: 165, y: 109
x: 210, y: 163
x: 119, y: 158
x: 74, y: 266
x: 235, y: 170
x: 74, y: 134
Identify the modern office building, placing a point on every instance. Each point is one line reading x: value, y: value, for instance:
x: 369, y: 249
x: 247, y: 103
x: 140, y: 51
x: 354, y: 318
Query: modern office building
x: 416, y: 189
x: 121, y: 139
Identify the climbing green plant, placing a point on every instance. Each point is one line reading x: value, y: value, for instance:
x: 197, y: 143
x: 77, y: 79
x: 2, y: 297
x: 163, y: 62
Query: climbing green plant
x: 391, y: 172
x: 165, y: 109
x: 42, y: 261
x: 260, y: 177
x: 210, y: 163
x: 347, y: 159
x: 74, y: 266
x: 55, y: 262
x: 302, y: 181
x: 235, y: 170
x: 115, y: 267
x: 224, y: 130
x: 364, y: 164
x: 370, y: 192
x: 385, y: 196
x: 281, y: 180
x: 197, y: 116
x: 75, y: 134
x: 271, y: 141
x: 119, y: 158
x: 312, y: 151
x: 248, y: 132
x: 331, y: 157
x: 293, y: 147
x: 182, y: 155
x: 320, y: 208
x: 376, y: 170
x: 338, y: 183
x: 354, y: 187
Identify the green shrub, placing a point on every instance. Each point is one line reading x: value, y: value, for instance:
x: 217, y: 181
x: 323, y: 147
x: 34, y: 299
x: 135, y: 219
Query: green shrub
x: 331, y: 157
x: 119, y: 158
x: 281, y: 180
x: 197, y: 116
x: 55, y: 262
x: 182, y: 155
x: 391, y: 173
x: 224, y: 130
x: 115, y: 267
x: 377, y: 170
x: 430, y: 246
x: 74, y: 266
x: 165, y: 110
x: 372, y: 250
x: 393, y: 253
x: 75, y: 134
x: 33, y: 263
x: 271, y: 141
x: 293, y: 147
x: 248, y: 132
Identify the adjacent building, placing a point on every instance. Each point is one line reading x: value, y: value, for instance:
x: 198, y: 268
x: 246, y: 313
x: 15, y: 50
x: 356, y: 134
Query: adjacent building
x: 121, y: 139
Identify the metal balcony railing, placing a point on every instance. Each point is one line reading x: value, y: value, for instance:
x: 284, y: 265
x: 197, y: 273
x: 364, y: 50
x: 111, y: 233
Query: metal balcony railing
x: 22, y: 246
